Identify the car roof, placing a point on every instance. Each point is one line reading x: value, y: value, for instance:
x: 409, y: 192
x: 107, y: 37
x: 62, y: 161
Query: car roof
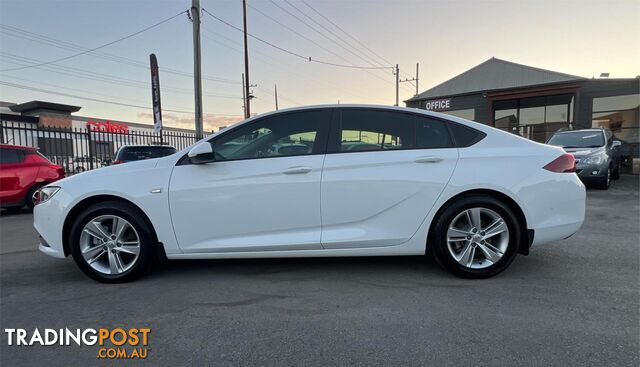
x: 9, y: 146
x: 419, y: 111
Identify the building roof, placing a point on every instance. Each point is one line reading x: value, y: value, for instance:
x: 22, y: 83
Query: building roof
x: 495, y: 74
x: 40, y: 106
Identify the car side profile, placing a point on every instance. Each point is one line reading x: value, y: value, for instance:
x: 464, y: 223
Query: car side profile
x: 23, y: 170
x: 596, y: 151
x: 319, y: 181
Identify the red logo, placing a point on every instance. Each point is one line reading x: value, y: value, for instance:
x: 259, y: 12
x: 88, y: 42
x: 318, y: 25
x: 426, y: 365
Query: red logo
x: 108, y: 126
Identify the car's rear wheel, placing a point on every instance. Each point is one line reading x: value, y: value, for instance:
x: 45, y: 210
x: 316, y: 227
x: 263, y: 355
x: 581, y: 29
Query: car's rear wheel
x: 476, y: 237
x: 111, y: 242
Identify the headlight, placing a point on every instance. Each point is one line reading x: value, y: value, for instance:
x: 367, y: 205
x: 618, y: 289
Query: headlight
x: 46, y: 193
x: 596, y: 159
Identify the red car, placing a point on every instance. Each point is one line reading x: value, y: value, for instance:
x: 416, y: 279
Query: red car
x: 23, y: 170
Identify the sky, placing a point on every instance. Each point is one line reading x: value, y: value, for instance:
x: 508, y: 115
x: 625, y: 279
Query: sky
x: 446, y: 38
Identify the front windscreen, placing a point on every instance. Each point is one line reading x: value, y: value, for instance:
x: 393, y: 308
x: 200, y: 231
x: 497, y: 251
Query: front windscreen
x: 578, y: 139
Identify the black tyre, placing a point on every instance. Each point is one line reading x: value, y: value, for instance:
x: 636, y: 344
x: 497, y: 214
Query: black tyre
x: 604, y: 182
x: 30, y: 200
x: 112, y: 242
x: 475, y: 237
x: 615, y: 174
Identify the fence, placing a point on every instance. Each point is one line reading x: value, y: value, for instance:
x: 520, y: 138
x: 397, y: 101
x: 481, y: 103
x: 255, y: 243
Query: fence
x: 81, y: 149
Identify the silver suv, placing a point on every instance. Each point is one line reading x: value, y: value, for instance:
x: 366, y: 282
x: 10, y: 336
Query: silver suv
x: 597, y: 154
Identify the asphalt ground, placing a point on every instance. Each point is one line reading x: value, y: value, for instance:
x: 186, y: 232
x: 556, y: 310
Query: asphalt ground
x: 571, y: 303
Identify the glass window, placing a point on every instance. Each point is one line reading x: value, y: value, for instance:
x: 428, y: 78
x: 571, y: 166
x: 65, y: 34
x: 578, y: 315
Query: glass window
x: 578, y: 139
x: 367, y: 130
x: 464, y: 135
x: 620, y: 114
x: 10, y: 156
x: 140, y: 153
x: 283, y: 135
x: 535, y: 118
x: 468, y: 114
x: 431, y: 133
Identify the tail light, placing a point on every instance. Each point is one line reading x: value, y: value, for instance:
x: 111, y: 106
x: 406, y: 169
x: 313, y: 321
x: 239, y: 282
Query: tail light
x: 117, y: 161
x: 59, y: 170
x: 564, y: 163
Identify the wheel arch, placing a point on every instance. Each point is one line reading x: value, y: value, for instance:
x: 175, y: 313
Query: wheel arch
x: 89, y: 201
x: 525, y: 234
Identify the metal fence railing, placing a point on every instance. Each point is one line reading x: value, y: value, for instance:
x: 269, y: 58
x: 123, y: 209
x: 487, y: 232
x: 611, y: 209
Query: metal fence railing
x: 81, y: 149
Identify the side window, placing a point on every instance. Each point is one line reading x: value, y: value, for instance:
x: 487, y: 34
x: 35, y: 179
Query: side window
x: 432, y: 133
x: 8, y: 156
x: 465, y: 136
x: 369, y: 130
x: 290, y: 134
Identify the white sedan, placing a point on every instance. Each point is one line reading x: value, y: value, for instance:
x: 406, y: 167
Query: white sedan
x: 362, y: 181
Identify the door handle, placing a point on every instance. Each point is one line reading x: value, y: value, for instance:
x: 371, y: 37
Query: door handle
x: 429, y: 159
x: 297, y: 170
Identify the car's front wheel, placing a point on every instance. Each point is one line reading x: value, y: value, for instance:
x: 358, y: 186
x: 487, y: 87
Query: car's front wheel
x: 111, y: 242
x: 476, y: 237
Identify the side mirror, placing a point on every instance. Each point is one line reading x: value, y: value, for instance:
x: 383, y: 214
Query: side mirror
x: 202, y: 153
x: 616, y: 143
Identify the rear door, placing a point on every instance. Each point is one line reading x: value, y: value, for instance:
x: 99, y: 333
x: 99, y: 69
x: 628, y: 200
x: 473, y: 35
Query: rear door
x: 15, y: 176
x: 383, y: 172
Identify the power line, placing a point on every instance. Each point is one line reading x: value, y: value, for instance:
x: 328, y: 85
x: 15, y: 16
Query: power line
x: 345, y: 32
x: 101, y: 46
x: 269, y: 60
x: 349, y: 46
x: 292, y: 53
x: 385, y: 61
x: 101, y: 77
x: 20, y: 86
x: 39, y: 38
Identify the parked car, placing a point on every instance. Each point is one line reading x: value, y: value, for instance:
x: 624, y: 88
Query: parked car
x: 472, y: 195
x: 130, y: 153
x: 23, y: 170
x: 596, y: 151
x: 81, y: 164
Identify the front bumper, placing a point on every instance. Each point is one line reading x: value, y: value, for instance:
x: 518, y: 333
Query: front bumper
x: 587, y: 172
x: 48, y: 221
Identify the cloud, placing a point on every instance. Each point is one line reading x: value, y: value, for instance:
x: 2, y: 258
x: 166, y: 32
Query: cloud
x: 210, y: 122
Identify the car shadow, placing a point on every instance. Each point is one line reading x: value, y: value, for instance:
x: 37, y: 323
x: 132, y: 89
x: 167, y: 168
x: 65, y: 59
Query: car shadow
x: 14, y: 211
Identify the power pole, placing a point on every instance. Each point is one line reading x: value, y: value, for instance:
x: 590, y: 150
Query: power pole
x: 197, y: 76
x: 244, y: 98
x: 276, y: 95
x: 397, y: 85
x: 247, y: 102
x: 416, y: 79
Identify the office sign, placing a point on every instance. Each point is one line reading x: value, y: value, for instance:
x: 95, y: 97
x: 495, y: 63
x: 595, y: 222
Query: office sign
x: 438, y: 105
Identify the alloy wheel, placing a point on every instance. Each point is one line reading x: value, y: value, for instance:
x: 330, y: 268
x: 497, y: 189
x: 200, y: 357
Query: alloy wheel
x: 110, y: 244
x: 477, y: 238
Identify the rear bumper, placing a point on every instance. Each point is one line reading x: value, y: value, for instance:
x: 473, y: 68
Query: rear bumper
x: 554, y: 204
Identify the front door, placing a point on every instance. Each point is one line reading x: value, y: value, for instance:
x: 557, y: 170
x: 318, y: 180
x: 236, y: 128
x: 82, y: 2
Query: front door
x: 261, y: 194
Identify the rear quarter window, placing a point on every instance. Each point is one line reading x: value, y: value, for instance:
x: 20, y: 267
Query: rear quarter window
x: 465, y: 136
